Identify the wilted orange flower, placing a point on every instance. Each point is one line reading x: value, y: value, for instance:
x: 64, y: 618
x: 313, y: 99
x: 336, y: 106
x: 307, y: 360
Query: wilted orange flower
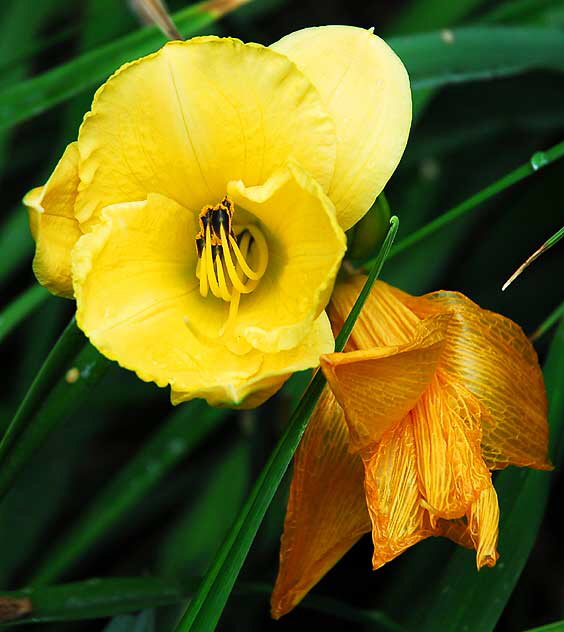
x: 431, y: 393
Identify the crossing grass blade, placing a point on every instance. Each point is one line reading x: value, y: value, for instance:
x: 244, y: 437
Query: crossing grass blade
x: 98, y: 598
x: 12, y: 315
x: 33, y: 96
x: 465, y: 599
x: 537, y: 162
x: 184, y: 430
x: 52, y: 398
x: 205, y: 609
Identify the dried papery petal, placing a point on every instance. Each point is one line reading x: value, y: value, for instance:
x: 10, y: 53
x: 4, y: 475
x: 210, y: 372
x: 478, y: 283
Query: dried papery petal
x: 399, y: 519
x: 451, y: 471
x: 494, y: 360
x: 378, y: 387
x: 326, y: 510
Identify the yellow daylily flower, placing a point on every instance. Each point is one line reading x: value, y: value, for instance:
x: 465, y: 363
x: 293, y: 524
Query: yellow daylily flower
x: 198, y: 219
x: 431, y: 393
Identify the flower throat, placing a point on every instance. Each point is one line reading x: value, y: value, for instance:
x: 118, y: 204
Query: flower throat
x: 232, y: 258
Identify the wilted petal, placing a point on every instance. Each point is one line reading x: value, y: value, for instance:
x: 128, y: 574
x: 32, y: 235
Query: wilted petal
x: 495, y: 361
x: 399, y: 519
x: 377, y: 387
x: 326, y: 511
x: 384, y: 320
x: 478, y: 529
x: 452, y: 472
x: 366, y: 89
x: 53, y: 225
x: 195, y: 115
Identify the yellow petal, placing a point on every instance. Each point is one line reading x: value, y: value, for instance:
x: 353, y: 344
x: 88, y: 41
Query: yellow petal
x: 138, y: 301
x: 188, y: 119
x: 495, y: 361
x: 392, y: 495
x: 377, y: 387
x: 53, y: 225
x: 305, y: 249
x: 479, y: 528
x: 273, y: 370
x: 366, y: 89
x: 384, y: 320
x: 452, y: 473
x: 326, y: 510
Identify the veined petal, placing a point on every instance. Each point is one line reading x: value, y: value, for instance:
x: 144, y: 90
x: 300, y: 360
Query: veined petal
x: 138, y: 301
x: 188, y: 119
x: 478, y: 529
x: 495, y: 361
x: 305, y: 246
x: 377, y: 387
x: 273, y: 370
x: 327, y: 510
x: 53, y: 225
x: 384, y: 321
x: 366, y: 89
x: 392, y: 495
x: 451, y: 471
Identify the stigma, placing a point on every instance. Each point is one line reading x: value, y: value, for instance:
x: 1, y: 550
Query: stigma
x: 231, y: 258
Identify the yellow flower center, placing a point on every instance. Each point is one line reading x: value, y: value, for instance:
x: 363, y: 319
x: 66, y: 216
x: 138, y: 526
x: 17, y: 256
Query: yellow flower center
x: 231, y: 258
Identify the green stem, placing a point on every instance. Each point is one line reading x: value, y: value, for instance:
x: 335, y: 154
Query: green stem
x: 537, y: 162
x: 205, y: 609
x: 12, y: 315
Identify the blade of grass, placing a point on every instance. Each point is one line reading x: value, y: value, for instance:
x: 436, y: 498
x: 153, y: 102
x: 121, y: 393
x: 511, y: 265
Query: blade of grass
x: 12, y: 315
x: 42, y: 409
x: 423, y: 15
x: 98, y: 598
x: 557, y: 626
x: 35, y: 95
x: 205, y: 609
x: 475, y: 601
x: 184, y: 430
x: 548, y: 323
x: 69, y: 343
x: 551, y: 241
x: 442, y: 58
x: 537, y: 162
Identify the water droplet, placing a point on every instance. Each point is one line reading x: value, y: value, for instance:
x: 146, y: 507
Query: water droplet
x: 538, y: 160
x: 447, y: 36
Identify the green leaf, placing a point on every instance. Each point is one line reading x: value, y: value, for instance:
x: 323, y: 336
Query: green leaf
x: 438, y: 59
x: 98, y: 598
x: 33, y: 96
x: 205, y: 609
x: 474, y: 601
x: 538, y: 161
x: 184, y: 430
x: 53, y: 396
x: 12, y: 315
x: 69, y: 343
x: 424, y: 15
x: 557, y: 626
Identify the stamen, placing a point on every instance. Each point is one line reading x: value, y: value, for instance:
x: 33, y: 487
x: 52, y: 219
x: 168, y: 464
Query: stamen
x: 242, y: 249
x: 214, y: 285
